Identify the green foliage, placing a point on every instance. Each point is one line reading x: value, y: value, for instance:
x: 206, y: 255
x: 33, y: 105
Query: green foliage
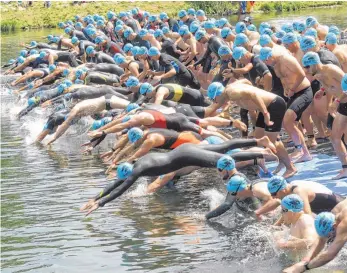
x: 294, y: 5
x: 215, y: 7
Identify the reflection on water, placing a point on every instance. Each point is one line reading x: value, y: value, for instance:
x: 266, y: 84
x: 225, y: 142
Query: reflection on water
x: 43, y: 230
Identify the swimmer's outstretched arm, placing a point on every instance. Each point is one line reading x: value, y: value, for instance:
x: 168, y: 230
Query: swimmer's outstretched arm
x: 62, y: 128
x: 268, y: 206
x: 224, y: 207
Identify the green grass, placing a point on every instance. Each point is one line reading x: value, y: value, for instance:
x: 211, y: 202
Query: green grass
x: 37, y: 16
x: 294, y: 5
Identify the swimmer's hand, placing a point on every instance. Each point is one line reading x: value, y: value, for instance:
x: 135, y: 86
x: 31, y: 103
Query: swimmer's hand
x: 107, y: 154
x: 110, y: 168
x: 296, y: 268
x: 90, y: 206
x: 94, y: 134
x: 267, y: 120
x: 240, y: 125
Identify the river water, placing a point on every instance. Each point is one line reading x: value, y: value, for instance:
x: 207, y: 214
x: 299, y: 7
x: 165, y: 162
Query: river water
x: 42, y: 189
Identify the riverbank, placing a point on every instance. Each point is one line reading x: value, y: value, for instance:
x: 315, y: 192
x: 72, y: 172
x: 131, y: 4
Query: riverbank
x: 37, y: 16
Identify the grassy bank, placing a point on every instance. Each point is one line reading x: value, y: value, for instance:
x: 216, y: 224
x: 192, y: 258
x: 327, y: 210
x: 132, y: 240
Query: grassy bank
x: 227, y: 8
x: 14, y: 17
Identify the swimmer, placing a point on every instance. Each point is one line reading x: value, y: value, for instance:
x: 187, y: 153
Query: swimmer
x: 98, y: 57
x: 331, y: 227
x: 340, y: 51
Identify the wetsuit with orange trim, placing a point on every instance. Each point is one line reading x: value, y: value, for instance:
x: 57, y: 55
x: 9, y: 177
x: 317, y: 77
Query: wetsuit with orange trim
x: 174, y: 139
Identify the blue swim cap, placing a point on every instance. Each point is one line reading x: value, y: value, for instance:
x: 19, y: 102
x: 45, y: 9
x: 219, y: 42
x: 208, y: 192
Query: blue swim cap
x: 280, y: 34
x: 200, y: 12
x: 131, y: 106
x: 287, y: 28
x: 20, y: 59
x: 68, y: 82
x: 158, y: 33
x: 146, y: 88
x: 132, y: 82
x: 182, y: 13
x: 69, y: 22
x: 265, y: 53
x: 33, y: 43
x: 134, y: 50
x: 143, y: 32
x: 199, y: 34
x: 127, y: 32
x: 31, y: 85
x: 252, y: 27
x: 142, y: 51
x: 135, y: 11
x: 225, y: 32
x: 331, y: 39
x: 153, y: 51
x: 293, y: 202
x: 61, y: 24
x: 194, y: 27
x: 233, y: 151
x: 344, y: 83
x: 310, y: 58
x: 74, y: 40
x: 311, y: 32
x: 33, y: 101
x: 67, y: 30
x: 240, y: 39
x: 79, y: 73
x: 43, y: 54
x: 79, y: 25
x: 100, y: 23
x: 267, y: 31
x: 289, y: 38
x: 226, y: 163
x: 33, y: 52
x: 96, y: 125
x: 90, y: 50
x: 276, y: 184
x: 191, y: 11
x: 236, y: 184
x: 183, y: 30
x: 311, y: 21
x: 222, y: 22
x: 208, y: 25
x: 307, y: 42
x: 78, y: 81
x: 146, y: 14
x: 239, y: 52
x: 119, y: 23
x: 165, y: 30
x: 264, y: 25
x: 23, y: 53
x: 135, y: 134
x: 52, y: 67
x: 214, y: 140
x: 335, y: 30
x: 152, y: 18
x: 99, y: 40
x: 295, y: 25
x: 62, y: 87
x: 324, y: 223
x: 264, y: 40
x: 110, y: 15
x: 224, y: 50
x: 124, y: 170
x: 214, y: 90
x: 66, y: 72
x: 11, y: 61
x: 127, y: 47
x: 240, y: 27
x: 301, y: 27
x: 118, y: 28
x: 122, y: 14
x: 163, y: 16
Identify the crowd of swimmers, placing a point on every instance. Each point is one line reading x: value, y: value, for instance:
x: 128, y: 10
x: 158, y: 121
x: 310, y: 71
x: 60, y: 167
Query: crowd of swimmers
x: 174, y: 83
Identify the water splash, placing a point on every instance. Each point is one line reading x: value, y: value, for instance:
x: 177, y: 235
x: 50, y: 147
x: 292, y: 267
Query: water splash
x: 214, y: 196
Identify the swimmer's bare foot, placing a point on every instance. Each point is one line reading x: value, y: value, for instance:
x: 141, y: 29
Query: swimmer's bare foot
x: 289, y: 173
x: 269, y: 155
x: 279, y: 167
x: 304, y: 158
x: 265, y: 142
x: 342, y: 174
x: 261, y: 164
x: 294, y: 155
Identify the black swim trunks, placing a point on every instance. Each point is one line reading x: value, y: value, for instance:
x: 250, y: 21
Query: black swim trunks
x: 342, y: 109
x: 300, y: 101
x: 277, y: 109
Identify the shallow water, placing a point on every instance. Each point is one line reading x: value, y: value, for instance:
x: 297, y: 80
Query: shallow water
x: 43, y: 231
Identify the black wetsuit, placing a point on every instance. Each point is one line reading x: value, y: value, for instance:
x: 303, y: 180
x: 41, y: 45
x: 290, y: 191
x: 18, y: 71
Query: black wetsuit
x: 155, y: 164
x: 138, y: 41
x: 55, y: 120
x: 224, y: 66
x: 213, y: 45
x: 186, y: 109
x: 68, y: 57
x: 96, y: 77
x: 168, y: 47
x: 112, y: 48
x: 108, y: 68
x: 173, y: 25
x: 188, y: 22
x: 183, y: 94
x: 45, y: 46
x: 83, y: 45
x: 183, y: 75
x: 79, y: 34
x: 101, y: 57
x: 132, y: 24
x: 323, y: 201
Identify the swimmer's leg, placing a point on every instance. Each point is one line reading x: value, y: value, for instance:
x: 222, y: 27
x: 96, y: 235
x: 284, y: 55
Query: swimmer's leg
x: 339, y: 126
